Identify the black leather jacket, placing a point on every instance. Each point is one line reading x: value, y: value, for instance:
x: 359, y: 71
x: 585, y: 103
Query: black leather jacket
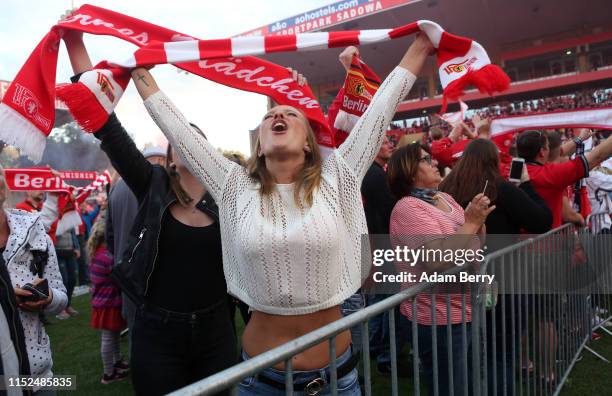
x: 151, y: 186
x: 8, y: 304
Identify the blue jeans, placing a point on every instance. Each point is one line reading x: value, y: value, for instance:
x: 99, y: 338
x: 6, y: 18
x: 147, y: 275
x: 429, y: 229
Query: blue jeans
x: 354, y: 303
x: 347, y: 385
x: 68, y: 268
x: 460, y: 370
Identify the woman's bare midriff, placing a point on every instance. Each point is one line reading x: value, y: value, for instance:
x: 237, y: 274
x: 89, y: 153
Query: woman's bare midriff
x: 265, y: 332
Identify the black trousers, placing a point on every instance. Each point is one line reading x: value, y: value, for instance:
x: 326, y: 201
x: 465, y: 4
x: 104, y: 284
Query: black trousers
x: 172, y: 350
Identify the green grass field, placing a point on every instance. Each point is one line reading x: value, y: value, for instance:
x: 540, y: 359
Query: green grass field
x: 76, y: 351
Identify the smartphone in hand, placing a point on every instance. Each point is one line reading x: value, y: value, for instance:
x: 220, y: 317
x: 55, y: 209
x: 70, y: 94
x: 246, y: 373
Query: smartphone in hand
x: 39, y: 291
x: 516, y: 170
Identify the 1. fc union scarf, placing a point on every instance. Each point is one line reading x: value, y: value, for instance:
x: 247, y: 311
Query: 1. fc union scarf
x: 27, y: 114
x: 43, y: 179
x: 69, y: 197
x: 353, y: 99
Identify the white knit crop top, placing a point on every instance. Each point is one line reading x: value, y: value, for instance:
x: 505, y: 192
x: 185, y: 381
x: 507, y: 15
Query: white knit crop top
x: 280, y: 258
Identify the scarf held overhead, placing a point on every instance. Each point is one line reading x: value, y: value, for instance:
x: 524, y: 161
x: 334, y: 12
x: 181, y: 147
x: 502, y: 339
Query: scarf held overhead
x: 69, y: 197
x: 353, y: 99
x: 27, y: 113
x: 42, y: 179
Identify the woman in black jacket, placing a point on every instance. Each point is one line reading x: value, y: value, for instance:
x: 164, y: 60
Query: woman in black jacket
x: 172, y: 268
x: 518, y: 209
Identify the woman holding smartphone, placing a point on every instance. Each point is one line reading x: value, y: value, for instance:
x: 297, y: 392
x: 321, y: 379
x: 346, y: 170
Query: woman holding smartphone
x: 28, y: 254
x: 518, y: 208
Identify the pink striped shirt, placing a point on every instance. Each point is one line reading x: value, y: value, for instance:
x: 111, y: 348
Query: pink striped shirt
x: 413, y: 223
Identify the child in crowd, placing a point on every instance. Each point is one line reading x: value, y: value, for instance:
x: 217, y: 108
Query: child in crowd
x: 106, y: 303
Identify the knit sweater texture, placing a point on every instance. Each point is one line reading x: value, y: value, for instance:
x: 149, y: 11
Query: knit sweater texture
x: 278, y: 257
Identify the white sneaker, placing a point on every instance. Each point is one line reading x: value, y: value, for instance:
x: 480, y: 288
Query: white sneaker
x: 71, y: 311
x: 63, y: 315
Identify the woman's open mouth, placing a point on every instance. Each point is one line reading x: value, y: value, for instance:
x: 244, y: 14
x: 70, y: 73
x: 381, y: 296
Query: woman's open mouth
x: 279, y: 126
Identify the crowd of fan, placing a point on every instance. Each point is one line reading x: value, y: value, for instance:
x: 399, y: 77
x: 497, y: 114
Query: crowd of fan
x: 291, y: 227
x: 587, y: 98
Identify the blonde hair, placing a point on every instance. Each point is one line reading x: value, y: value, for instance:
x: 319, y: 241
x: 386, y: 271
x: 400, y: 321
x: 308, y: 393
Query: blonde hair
x: 309, y: 177
x: 97, y: 236
x: 234, y: 156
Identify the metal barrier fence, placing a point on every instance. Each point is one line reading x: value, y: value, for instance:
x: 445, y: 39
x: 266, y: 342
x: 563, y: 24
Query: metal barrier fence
x: 599, y: 250
x: 524, y: 337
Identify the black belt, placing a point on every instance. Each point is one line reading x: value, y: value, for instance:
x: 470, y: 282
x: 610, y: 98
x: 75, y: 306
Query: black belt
x: 165, y: 315
x: 316, y: 385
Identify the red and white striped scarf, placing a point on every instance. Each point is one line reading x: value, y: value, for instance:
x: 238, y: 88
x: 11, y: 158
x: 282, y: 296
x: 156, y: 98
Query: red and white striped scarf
x: 27, y: 114
x: 68, y: 198
x: 42, y: 179
x: 353, y: 99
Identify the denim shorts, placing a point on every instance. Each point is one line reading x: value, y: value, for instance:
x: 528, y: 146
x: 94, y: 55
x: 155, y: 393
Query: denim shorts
x: 347, y: 385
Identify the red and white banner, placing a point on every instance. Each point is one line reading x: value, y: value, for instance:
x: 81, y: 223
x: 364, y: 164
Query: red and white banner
x: 503, y: 129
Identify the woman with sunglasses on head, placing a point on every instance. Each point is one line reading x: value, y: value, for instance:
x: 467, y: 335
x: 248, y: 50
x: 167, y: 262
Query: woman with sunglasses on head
x: 426, y: 217
x: 172, y: 266
x: 291, y: 224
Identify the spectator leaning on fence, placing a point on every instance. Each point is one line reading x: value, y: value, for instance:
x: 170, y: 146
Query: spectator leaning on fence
x: 424, y: 216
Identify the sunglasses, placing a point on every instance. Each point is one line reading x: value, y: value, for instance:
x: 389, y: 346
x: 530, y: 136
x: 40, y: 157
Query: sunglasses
x: 427, y: 159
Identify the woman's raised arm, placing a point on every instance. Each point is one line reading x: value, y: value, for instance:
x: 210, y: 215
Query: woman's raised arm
x: 202, y: 159
x: 364, y: 141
